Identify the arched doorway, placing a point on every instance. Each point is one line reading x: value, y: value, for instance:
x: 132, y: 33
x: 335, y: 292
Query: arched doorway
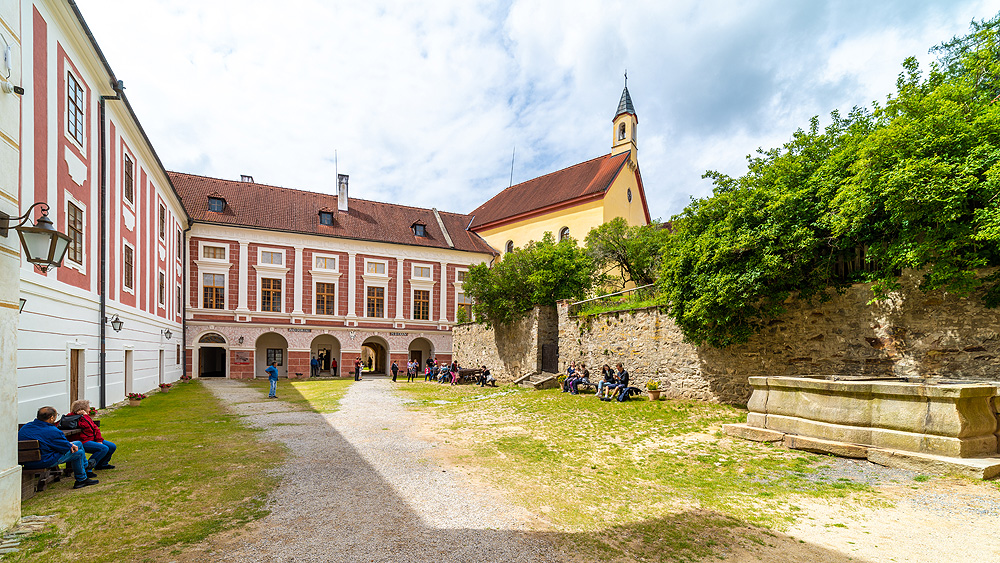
x: 375, y: 353
x: 211, y: 355
x: 324, y: 348
x: 271, y: 346
x: 421, y: 349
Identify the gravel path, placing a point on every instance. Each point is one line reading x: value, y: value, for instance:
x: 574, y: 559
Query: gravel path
x: 359, y: 486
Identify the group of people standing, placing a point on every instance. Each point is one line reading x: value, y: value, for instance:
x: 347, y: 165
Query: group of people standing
x: 613, y: 383
x: 317, y: 363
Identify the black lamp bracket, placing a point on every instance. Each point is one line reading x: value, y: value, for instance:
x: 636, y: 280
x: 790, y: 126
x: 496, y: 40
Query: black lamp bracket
x: 6, y: 220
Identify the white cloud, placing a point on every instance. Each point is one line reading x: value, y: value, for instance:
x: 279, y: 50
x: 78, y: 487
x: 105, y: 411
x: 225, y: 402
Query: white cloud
x: 423, y: 101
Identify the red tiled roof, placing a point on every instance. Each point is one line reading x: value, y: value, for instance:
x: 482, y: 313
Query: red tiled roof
x: 590, y: 178
x: 261, y: 206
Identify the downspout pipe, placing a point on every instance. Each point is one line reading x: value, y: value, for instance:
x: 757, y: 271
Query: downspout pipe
x: 103, y: 275
x: 184, y: 297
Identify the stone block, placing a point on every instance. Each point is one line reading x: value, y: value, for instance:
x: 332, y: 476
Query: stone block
x: 978, y: 468
x: 842, y: 449
x: 752, y: 433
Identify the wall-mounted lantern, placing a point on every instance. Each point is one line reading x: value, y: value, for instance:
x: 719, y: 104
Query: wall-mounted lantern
x: 166, y: 333
x: 43, y: 245
x: 116, y: 323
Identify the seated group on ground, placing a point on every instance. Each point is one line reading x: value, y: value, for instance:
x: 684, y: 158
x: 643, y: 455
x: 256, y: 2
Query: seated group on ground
x: 56, y: 449
x: 613, y: 384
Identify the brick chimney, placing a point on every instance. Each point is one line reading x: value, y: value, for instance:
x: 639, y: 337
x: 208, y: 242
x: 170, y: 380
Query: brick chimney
x: 342, y: 192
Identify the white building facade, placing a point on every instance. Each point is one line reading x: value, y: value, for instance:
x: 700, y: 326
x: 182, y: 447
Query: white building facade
x: 83, y: 151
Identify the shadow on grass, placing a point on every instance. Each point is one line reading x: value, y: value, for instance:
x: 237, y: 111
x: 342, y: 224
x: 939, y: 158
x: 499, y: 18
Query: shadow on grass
x: 333, y: 505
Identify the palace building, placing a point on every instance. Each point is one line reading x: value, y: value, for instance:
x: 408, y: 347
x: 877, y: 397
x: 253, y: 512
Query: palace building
x: 167, y: 273
x: 286, y: 275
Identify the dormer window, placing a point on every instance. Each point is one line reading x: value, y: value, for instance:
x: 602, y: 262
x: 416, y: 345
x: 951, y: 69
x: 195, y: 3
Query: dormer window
x: 326, y: 218
x: 419, y: 229
x: 216, y: 204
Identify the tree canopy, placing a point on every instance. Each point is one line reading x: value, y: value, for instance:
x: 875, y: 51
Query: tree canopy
x: 912, y: 183
x: 541, y: 273
x: 627, y: 253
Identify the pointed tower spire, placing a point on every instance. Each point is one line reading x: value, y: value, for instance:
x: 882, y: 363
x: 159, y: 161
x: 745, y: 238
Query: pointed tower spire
x: 625, y: 123
x: 625, y: 105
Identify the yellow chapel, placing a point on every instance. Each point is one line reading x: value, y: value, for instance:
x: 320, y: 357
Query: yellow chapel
x: 572, y: 201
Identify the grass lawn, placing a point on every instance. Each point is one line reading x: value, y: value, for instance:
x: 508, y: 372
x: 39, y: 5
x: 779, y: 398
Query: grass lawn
x: 318, y: 395
x: 185, y: 469
x: 629, y: 480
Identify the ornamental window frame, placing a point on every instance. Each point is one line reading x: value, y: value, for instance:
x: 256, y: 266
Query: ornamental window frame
x: 78, y: 265
x: 161, y: 289
x: 202, y: 286
x: 128, y: 177
x: 326, y: 275
x: 459, y: 295
x: 128, y: 268
x: 76, y: 102
x: 421, y: 283
x: 272, y: 271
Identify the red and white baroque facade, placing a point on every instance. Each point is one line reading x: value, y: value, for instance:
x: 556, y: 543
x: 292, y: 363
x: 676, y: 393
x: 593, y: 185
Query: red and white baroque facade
x: 357, y: 283
x: 59, y: 331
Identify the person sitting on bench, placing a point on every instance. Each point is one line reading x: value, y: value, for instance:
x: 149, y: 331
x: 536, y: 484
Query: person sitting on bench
x: 622, y: 384
x: 487, y: 378
x: 583, y: 376
x: 100, y: 450
x: 607, y: 380
x: 55, y: 448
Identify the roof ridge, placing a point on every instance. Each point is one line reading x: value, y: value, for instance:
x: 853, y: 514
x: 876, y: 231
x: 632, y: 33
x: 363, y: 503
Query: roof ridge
x: 509, y: 188
x: 309, y: 192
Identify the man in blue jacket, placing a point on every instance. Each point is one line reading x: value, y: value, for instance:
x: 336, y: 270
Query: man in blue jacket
x: 55, y: 448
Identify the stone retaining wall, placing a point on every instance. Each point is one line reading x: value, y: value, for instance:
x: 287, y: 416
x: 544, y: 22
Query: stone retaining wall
x: 509, y: 351
x: 912, y: 335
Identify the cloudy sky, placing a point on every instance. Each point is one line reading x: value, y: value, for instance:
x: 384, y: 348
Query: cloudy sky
x: 423, y: 102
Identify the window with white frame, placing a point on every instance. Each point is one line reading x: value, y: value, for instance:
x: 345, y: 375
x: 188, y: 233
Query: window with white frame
x: 213, y: 291
x: 128, y: 268
x: 163, y: 222
x: 326, y: 298
x: 212, y: 252
x: 375, y: 268
x: 129, y: 180
x: 463, y: 303
x: 376, y: 302
x: 460, y: 275
x: 421, y: 305
x: 423, y: 272
x: 272, y: 257
x: 270, y: 295
x: 326, y: 262
x: 74, y: 108
x: 74, y: 224
x: 161, y: 291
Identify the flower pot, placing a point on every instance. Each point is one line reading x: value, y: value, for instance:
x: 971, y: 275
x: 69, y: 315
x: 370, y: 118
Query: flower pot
x: 164, y: 389
x: 134, y: 402
x: 654, y: 394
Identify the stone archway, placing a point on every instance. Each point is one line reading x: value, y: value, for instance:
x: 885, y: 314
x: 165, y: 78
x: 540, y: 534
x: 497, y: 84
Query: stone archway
x: 420, y: 349
x: 376, y: 351
x: 325, y: 348
x: 212, y: 356
x: 268, y: 346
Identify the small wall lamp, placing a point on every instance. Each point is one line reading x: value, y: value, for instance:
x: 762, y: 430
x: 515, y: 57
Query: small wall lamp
x: 240, y: 340
x: 21, y: 308
x: 166, y: 333
x: 116, y: 323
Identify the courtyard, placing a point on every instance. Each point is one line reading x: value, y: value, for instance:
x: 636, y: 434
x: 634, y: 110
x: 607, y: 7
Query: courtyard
x: 335, y: 470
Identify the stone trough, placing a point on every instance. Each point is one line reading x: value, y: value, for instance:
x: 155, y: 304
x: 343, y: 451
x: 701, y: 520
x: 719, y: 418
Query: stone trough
x: 933, y: 426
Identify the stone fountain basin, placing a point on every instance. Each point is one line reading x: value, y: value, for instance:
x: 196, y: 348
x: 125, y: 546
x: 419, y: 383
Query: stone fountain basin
x: 955, y: 419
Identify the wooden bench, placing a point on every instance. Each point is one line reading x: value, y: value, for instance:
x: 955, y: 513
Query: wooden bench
x: 35, y: 480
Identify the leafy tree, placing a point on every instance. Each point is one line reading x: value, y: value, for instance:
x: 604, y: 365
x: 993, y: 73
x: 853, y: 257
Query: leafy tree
x: 628, y: 253
x: 914, y: 182
x: 541, y: 273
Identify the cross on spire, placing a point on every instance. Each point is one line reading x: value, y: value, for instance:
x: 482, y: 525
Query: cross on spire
x: 626, y: 78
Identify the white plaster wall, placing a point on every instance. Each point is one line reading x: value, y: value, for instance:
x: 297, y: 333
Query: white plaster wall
x: 10, y: 471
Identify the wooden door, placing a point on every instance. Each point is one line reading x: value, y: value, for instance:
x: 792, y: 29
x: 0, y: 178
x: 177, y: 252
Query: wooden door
x: 74, y: 375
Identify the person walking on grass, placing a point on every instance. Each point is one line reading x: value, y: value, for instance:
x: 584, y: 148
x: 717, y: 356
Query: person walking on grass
x: 272, y: 377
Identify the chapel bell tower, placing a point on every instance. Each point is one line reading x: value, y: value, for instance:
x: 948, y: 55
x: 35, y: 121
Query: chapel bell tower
x: 625, y: 122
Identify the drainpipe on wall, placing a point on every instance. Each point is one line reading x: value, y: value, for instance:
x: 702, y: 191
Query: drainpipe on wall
x: 103, y: 282
x: 184, y: 297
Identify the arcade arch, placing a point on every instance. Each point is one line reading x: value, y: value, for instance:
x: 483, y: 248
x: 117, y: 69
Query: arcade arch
x: 270, y: 346
x: 420, y: 349
x: 212, y: 355
x: 377, y: 350
x: 324, y: 348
